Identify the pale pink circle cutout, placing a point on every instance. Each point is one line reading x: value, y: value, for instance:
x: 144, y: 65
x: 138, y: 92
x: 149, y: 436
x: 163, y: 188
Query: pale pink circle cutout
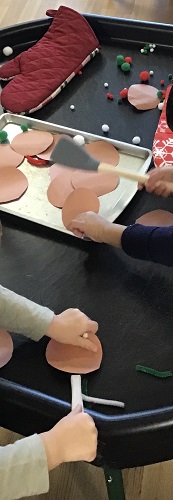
x: 156, y: 218
x: 31, y: 142
x: 143, y: 96
x: 99, y: 183
x: 6, y: 347
x: 13, y: 184
x: 103, y: 151
x: 9, y: 157
x: 60, y: 187
x: 80, y: 201
x: 73, y: 359
x: 45, y: 155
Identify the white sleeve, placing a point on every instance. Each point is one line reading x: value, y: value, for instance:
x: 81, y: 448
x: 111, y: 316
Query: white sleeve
x: 23, y: 469
x: 20, y: 315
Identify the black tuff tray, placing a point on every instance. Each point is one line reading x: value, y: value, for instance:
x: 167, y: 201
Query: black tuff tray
x: 131, y: 300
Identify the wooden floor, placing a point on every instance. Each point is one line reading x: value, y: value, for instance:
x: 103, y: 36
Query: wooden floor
x: 79, y: 481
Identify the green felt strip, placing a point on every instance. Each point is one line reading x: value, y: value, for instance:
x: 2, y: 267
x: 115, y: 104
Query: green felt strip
x: 151, y: 371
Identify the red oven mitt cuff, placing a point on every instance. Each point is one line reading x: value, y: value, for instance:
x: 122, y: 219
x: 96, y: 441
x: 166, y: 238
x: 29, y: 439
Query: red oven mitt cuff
x: 40, y: 73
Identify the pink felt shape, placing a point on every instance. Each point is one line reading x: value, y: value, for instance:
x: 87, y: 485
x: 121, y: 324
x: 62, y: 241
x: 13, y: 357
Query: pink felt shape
x: 73, y: 359
x: 6, y: 347
x: 163, y: 140
x: 40, y: 73
x: 143, y: 97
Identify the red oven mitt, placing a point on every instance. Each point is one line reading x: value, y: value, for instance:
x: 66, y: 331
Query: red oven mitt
x: 40, y: 73
x: 163, y: 140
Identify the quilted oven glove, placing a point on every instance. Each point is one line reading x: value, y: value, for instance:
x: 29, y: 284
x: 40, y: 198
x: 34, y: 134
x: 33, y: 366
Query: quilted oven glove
x: 40, y: 73
x: 163, y: 140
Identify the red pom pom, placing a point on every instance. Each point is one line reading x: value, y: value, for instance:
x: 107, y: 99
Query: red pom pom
x: 162, y: 82
x: 110, y: 96
x: 123, y: 93
x: 144, y: 76
x: 80, y: 72
x: 164, y: 93
x: 128, y: 59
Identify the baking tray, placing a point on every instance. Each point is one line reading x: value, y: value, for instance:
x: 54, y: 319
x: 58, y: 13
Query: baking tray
x: 34, y: 204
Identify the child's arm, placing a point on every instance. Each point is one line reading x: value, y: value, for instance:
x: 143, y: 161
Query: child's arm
x: 24, y: 465
x: 20, y: 315
x: 154, y: 244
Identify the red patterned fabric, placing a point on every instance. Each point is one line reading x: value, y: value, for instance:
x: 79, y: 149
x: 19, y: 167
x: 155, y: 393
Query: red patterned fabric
x: 163, y: 139
x: 40, y: 73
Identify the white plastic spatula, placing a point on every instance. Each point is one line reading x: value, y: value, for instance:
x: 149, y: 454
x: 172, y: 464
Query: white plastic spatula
x: 69, y: 154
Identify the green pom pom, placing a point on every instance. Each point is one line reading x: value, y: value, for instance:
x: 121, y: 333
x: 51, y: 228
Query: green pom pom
x: 147, y: 47
x: 159, y: 94
x: 120, y: 101
x: 170, y: 76
x: 3, y: 136
x: 119, y: 60
x: 145, y: 51
x: 125, y: 67
x: 24, y: 127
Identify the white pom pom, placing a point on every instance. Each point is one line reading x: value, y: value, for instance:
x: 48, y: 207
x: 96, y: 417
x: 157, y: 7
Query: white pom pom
x: 7, y: 51
x: 72, y: 107
x: 106, y: 85
x: 151, y: 72
x: 160, y: 105
x: 154, y: 45
x: 136, y: 140
x: 150, y: 45
x: 142, y: 51
x: 105, y: 127
x: 79, y: 139
x: 152, y: 50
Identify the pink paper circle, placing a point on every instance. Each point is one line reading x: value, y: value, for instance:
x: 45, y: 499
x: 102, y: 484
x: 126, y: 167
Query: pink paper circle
x: 32, y: 142
x: 6, y: 347
x: 73, y: 359
x: 60, y: 187
x: 99, y: 183
x: 9, y: 157
x: 79, y: 201
x: 45, y: 155
x: 156, y: 218
x: 143, y: 96
x: 103, y: 151
x: 13, y: 184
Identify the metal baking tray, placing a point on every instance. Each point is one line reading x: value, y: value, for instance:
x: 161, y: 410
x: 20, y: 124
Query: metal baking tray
x: 34, y: 204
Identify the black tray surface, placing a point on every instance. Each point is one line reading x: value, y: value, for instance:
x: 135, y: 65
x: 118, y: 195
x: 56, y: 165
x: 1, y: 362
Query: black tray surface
x: 131, y: 300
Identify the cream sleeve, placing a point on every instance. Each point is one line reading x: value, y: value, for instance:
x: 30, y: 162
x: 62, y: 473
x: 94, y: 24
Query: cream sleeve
x: 23, y: 469
x: 20, y: 315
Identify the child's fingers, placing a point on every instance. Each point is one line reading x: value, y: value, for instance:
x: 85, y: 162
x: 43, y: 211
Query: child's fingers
x: 87, y: 344
x: 91, y: 326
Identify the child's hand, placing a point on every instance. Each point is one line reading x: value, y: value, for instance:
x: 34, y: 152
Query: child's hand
x: 156, y: 181
x: 74, y: 438
x: 69, y: 328
x: 90, y: 225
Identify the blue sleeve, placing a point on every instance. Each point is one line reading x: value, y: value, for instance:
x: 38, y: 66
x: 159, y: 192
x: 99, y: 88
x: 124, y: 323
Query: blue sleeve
x: 154, y: 244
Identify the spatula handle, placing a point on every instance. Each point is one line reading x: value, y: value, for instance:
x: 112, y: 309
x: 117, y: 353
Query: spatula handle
x: 132, y: 176
x: 76, y: 391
